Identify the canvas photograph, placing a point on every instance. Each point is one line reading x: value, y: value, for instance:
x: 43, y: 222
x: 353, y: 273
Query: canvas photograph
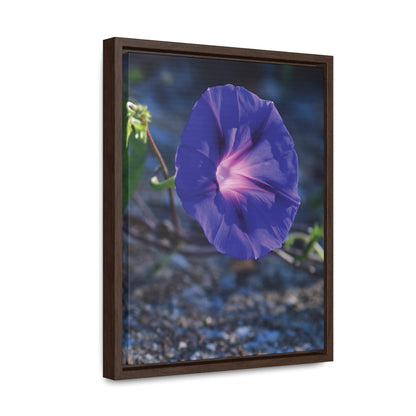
x: 223, y: 246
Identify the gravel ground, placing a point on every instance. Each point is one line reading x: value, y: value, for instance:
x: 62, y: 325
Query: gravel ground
x: 179, y: 308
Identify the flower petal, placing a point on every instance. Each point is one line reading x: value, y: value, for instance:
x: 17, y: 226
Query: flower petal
x: 231, y: 237
x: 279, y: 173
x: 275, y: 132
x: 239, y: 114
x: 254, y: 224
x: 202, y: 130
x: 195, y: 173
x: 208, y: 210
x: 254, y: 115
x: 267, y: 225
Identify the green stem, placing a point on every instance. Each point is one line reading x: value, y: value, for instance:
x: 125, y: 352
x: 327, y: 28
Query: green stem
x: 168, y: 183
x: 166, y: 174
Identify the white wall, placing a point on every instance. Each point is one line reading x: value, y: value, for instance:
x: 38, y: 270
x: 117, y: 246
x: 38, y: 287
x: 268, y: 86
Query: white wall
x: 50, y: 172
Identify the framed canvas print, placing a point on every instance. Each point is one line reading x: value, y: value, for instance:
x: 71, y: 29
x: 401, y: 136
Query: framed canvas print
x: 217, y: 208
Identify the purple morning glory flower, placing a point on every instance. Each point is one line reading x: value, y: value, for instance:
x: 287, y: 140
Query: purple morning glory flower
x: 237, y: 172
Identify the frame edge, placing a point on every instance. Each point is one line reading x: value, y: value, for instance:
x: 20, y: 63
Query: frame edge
x: 329, y: 206
x: 112, y: 226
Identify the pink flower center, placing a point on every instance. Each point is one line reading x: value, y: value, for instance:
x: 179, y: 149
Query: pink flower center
x: 233, y: 176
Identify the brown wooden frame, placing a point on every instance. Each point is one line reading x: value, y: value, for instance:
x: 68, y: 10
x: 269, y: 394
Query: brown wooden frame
x: 112, y: 206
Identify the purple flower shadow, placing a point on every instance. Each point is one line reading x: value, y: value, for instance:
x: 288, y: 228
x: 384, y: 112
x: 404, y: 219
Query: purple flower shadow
x: 237, y: 172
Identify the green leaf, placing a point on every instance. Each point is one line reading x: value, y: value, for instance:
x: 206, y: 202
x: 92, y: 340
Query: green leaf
x: 129, y: 129
x: 315, y: 234
x: 290, y: 240
x: 168, y: 183
x: 134, y: 155
x: 134, y: 158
